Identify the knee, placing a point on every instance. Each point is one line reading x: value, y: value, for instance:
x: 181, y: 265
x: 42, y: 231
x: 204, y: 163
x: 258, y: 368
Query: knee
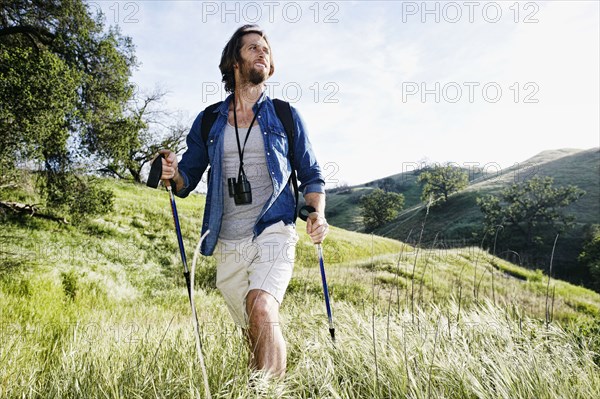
x: 262, y: 310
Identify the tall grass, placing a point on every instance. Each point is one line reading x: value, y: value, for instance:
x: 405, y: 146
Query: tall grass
x: 100, y: 311
x: 148, y: 352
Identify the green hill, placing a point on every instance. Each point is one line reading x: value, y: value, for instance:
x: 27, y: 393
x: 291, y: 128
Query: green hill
x: 566, y: 166
x: 459, y: 221
x: 100, y: 310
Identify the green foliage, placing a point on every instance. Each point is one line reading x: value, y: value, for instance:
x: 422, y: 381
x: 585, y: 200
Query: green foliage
x: 38, y: 94
x: 62, y: 75
x: 79, y: 197
x: 64, y: 91
x: 380, y: 207
x: 590, y: 256
x: 531, y: 209
x: 441, y: 181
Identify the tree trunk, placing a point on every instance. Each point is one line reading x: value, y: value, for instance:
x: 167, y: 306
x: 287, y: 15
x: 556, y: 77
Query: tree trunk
x: 136, y: 173
x: 32, y: 209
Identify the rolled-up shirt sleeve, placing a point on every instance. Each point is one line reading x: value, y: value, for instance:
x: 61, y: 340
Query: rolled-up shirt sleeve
x: 194, y: 160
x: 308, y: 169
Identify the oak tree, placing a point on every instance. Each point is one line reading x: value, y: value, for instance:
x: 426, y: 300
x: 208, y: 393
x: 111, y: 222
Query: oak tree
x: 379, y: 207
x: 442, y: 180
x: 531, y: 210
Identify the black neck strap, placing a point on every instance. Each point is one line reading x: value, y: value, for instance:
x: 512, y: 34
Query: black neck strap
x: 237, y: 135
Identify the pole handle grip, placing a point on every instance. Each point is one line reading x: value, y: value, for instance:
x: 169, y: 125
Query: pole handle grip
x: 308, y: 212
x: 156, y: 173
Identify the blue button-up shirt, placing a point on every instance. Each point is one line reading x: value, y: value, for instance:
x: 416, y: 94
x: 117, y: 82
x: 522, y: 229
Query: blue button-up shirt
x: 281, y: 205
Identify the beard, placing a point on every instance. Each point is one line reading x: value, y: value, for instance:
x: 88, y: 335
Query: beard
x: 252, y: 75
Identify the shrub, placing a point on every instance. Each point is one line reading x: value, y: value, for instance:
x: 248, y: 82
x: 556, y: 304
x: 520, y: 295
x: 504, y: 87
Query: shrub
x: 76, y: 196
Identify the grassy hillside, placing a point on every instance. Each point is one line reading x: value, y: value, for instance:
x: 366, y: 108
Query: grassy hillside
x: 343, y: 203
x: 566, y: 166
x: 100, y: 310
x: 459, y: 221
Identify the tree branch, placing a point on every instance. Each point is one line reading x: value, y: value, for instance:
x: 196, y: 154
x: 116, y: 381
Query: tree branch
x: 43, y: 35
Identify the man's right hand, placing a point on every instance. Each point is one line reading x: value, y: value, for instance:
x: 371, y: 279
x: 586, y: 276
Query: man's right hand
x: 169, y: 168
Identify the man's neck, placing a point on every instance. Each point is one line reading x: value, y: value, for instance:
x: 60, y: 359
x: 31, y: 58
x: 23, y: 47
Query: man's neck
x: 247, y: 95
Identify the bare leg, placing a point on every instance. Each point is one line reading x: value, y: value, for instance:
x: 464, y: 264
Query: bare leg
x: 267, y: 346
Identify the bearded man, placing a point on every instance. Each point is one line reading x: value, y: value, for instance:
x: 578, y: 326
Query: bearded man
x: 250, y: 205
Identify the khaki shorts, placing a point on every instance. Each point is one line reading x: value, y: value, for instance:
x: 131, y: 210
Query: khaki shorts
x: 264, y: 264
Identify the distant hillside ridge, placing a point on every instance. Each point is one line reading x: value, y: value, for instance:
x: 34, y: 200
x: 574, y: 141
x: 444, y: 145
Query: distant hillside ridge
x: 459, y: 221
x: 566, y: 166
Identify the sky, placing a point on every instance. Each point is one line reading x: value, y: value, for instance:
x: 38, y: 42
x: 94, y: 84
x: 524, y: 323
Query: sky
x: 384, y: 86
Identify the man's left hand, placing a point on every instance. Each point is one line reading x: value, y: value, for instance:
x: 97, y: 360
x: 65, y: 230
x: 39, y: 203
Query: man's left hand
x: 317, y: 228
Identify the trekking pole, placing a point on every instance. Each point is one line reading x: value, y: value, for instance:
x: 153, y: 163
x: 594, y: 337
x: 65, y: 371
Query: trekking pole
x: 153, y: 180
x: 308, y: 212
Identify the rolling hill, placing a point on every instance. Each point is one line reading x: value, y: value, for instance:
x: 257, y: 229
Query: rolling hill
x: 459, y: 221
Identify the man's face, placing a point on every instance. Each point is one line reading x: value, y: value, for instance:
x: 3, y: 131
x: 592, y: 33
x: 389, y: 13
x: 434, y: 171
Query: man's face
x: 256, y: 59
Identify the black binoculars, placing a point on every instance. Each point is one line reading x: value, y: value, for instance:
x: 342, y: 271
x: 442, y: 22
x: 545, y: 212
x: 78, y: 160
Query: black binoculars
x: 240, y: 190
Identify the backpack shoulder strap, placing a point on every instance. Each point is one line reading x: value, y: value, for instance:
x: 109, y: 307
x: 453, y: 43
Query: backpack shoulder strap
x: 284, y: 113
x: 208, y: 120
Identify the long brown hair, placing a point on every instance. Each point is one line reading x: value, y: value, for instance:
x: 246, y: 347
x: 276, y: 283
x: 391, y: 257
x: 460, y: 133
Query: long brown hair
x: 231, y: 54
